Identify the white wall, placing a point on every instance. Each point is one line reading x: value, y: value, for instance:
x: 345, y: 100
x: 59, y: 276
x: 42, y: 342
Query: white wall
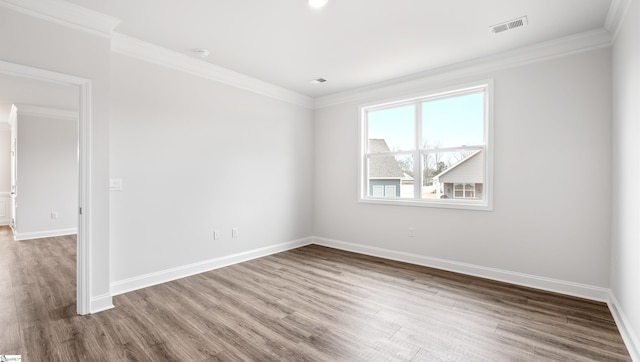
x: 551, y: 215
x: 5, y: 160
x: 625, y: 261
x: 196, y: 155
x: 47, y: 174
x: 5, y: 174
x: 46, y: 45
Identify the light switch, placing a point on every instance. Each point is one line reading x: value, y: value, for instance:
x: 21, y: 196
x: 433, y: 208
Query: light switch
x: 115, y: 184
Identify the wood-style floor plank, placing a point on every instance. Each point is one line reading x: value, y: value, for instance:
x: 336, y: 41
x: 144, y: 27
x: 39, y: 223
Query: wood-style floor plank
x: 307, y: 304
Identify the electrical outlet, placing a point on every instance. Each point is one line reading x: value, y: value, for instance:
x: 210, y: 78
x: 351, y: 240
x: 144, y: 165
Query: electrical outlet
x: 115, y: 184
x: 54, y: 215
x: 234, y: 232
x: 412, y: 232
x: 216, y: 234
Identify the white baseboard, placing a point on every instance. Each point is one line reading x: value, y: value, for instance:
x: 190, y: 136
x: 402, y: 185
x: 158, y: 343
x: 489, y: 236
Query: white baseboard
x: 629, y: 336
x: 101, y: 303
x: 45, y: 234
x: 553, y: 285
x: 104, y: 302
x: 147, y: 280
x: 631, y: 339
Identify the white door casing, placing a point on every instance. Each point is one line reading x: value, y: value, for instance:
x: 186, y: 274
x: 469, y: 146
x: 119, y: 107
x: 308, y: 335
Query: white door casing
x: 14, y: 155
x: 83, y: 287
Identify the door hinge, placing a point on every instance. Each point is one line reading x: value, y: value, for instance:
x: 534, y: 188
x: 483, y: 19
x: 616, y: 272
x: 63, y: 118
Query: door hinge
x: 80, y: 211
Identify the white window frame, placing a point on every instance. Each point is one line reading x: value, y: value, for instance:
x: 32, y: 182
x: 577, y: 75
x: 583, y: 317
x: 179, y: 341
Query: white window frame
x: 484, y: 204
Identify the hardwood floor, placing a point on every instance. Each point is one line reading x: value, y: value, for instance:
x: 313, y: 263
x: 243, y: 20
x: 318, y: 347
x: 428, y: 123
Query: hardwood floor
x: 308, y: 304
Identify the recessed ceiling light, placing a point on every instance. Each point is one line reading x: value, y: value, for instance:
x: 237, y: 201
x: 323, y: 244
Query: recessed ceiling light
x: 317, y: 3
x: 317, y: 81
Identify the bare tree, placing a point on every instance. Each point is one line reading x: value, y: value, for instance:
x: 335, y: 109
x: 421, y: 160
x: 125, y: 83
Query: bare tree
x: 461, y: 155
x: 406, y: 165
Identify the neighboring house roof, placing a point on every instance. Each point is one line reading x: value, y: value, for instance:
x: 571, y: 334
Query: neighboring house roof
x: 383, y: 167
x: 468, y: 170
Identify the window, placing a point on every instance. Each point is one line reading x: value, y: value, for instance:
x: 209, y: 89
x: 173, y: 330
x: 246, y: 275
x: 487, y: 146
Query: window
x: 378, y: 190
x: 390, y: 191
x: 432, y: 150
x: 384, y: 191
x: 464, y: 191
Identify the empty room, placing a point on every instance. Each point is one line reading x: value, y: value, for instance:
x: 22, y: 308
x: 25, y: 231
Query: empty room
x: 313, y: 180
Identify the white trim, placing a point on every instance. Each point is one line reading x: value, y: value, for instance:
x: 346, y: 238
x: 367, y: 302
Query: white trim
x: 83, y: 280
x: 163, y: 276
x: 45, y: 234
x: 629, y: 337
x: 528, y: 280
x: 615, y: 18
x: 24, y: 71
x: 101, y: 303
x: 93, y: 22
x: 151, y: 53
x: 556, y: 48
x: 66, y: 14
x: 83, y: 291
x: 46, y: 112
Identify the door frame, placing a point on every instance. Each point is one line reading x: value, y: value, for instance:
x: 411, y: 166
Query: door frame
x: 83, y: 258
x: 14, y: 152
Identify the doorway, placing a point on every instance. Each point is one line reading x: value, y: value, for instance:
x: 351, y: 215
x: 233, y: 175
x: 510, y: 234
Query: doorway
x: 83, y: 90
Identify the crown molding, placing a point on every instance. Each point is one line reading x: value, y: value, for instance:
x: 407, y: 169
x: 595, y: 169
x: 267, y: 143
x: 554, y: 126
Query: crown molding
x: 45, y: 112
x: 531, y: 54
x: 135, y: 48
x: 77, y: 17
x: 67, y: 14
x: 617, y: 11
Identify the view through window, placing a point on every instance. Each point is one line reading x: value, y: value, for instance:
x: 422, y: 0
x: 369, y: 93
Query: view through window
x: 428, y: 150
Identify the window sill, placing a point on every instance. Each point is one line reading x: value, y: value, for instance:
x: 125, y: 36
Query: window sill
x: 441, y: 204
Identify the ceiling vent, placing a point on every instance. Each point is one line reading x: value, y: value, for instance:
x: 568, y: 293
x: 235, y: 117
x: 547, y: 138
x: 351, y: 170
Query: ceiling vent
x: 509, y: 25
